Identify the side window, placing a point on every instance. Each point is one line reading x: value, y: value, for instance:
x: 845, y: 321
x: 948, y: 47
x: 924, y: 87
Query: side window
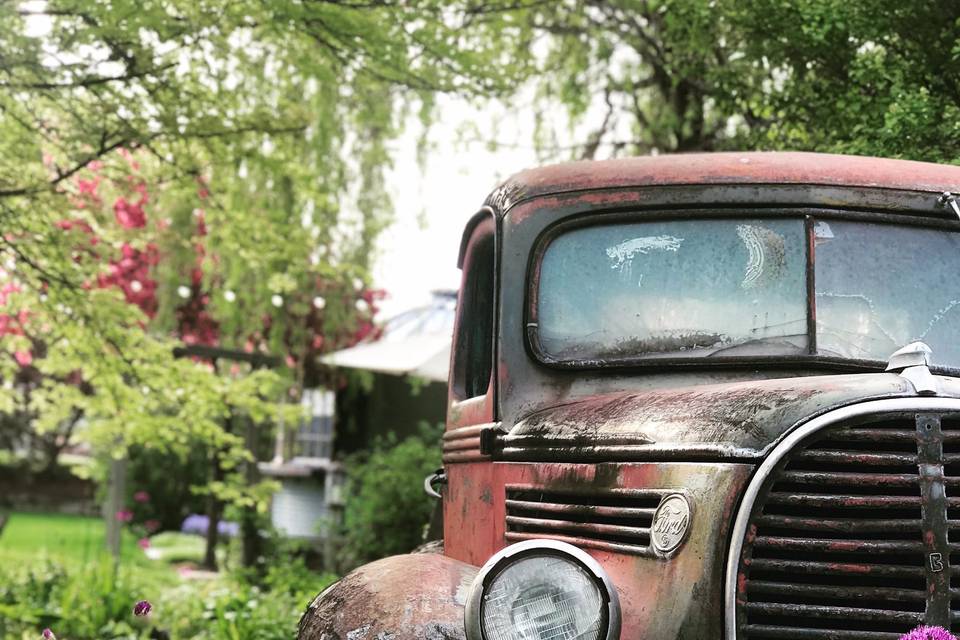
x: 473, y: 348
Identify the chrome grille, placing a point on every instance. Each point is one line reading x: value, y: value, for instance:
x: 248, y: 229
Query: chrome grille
x: 616, y: 520
x: 835, y: 548
x: 951, y: 471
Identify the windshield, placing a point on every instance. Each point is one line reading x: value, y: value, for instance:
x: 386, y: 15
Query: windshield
x: 713, y: 288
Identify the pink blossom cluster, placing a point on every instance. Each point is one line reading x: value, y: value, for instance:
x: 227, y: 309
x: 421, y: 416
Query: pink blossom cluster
x: 131, y: 273
x: 928, y: 633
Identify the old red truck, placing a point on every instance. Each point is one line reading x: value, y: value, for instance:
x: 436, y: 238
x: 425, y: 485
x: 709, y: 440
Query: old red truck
x: 694, y: 396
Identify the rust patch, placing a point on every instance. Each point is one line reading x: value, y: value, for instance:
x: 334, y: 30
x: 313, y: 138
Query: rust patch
x: 409, y: 597
x: 509, y: 192
x: 746, y: 416
x: 726, y: 168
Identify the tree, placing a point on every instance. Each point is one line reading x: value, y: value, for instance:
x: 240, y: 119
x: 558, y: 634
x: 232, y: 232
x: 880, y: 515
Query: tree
x: 205, y: 171
x: 869, y: 78
x: 653, y: 76
x: 639, y: 76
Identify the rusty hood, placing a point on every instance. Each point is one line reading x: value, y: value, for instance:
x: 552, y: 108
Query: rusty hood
x: 729, y: 420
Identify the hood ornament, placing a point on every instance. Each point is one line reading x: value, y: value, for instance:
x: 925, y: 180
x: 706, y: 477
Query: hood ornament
x: 913, y: 363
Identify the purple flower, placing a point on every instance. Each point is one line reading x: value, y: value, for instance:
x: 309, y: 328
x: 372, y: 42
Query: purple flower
x: 142, y: 608
x: 929, y: 633
x: 48, y: 635
x: 199, y: 524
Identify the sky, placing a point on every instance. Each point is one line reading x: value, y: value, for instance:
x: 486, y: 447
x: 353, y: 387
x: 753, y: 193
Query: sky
x: 432, y: 203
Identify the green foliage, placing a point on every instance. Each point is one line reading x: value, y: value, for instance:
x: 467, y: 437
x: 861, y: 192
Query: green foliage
x: 259, y: 129
x: 386, y: 509
x: 95, y: 603
x: 171, y: 498
x: 240, y: 610
x: 865, y: 77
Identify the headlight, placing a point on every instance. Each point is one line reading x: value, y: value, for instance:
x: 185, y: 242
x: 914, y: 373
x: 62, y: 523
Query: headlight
x: 542, y: 590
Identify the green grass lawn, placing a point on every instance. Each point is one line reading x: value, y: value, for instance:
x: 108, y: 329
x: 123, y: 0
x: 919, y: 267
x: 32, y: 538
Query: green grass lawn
x: 71, y: 540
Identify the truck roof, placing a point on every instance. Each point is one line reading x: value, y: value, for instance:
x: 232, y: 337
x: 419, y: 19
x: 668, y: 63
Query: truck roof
x: 765, y: 167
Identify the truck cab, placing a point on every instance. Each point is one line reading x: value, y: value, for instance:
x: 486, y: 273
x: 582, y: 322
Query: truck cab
x: 694, y: 396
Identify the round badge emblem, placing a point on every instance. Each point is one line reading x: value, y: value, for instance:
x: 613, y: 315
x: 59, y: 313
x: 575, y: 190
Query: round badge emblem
x: 671, y: 521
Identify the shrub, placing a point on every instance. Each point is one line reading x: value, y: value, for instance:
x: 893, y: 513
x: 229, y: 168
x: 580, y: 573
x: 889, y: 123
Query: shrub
x: 167, y: 478
x: 93, y: 603
x: 97, y: 603
x: 386, y: 510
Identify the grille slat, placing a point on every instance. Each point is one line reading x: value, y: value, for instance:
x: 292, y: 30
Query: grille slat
x: 879, y: 434
x: 625, y: 513
x: 835, y: 549
x: 856, y: 457
x: 616, y: 520
x: 851, y: 501
x: 817, y: 590
x: 640, y: 534
x: 806, y: 633
x: 820, y: 611
x: 836, y: 546
x: 839, y: 525
x: 870, y: 479
x: 836, y: 568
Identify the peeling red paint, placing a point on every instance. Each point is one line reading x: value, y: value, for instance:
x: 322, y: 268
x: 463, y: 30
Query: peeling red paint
x: 726, y: 168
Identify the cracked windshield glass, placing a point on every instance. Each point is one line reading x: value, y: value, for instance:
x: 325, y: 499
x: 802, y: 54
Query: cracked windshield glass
x: 880, y: 287
x: 702, y: 288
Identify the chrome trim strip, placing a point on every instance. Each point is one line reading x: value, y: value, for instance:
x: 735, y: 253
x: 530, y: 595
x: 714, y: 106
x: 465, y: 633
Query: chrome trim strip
x: 471, y: 612
x: 874, y: 407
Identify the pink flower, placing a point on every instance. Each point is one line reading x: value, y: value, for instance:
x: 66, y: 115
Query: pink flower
x: 142, y: 608
x: 929, y: 633
x: 129, y: 214
x: 141, y: 496
x: 23, y: 358
x: 88, y: 186
x: 144, y: 543
x: 48, y: 635
x: 152, y: 525
x: 124, y: 515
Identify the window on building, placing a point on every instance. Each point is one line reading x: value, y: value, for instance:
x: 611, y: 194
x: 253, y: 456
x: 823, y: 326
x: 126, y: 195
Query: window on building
x: 314, y: 439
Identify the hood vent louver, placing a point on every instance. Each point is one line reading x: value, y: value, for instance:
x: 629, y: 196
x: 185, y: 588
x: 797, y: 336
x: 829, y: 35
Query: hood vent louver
x: 613, y: 520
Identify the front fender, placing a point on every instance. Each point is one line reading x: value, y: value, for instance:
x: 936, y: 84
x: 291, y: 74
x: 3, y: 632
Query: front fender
x: 408, y: 597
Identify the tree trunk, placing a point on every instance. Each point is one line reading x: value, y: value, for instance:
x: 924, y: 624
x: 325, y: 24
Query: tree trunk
x: 214, y: 509
x: 249, y: 530
x: 116, y: 491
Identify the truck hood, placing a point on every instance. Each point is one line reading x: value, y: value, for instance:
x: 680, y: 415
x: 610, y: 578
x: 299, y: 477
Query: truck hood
x: 731, y: 420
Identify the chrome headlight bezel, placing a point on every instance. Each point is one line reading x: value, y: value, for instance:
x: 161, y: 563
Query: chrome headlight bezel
x: 540, y: 547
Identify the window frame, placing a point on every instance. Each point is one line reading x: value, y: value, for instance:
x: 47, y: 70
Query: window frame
x: 807, y: 215
x: 466, y: 401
